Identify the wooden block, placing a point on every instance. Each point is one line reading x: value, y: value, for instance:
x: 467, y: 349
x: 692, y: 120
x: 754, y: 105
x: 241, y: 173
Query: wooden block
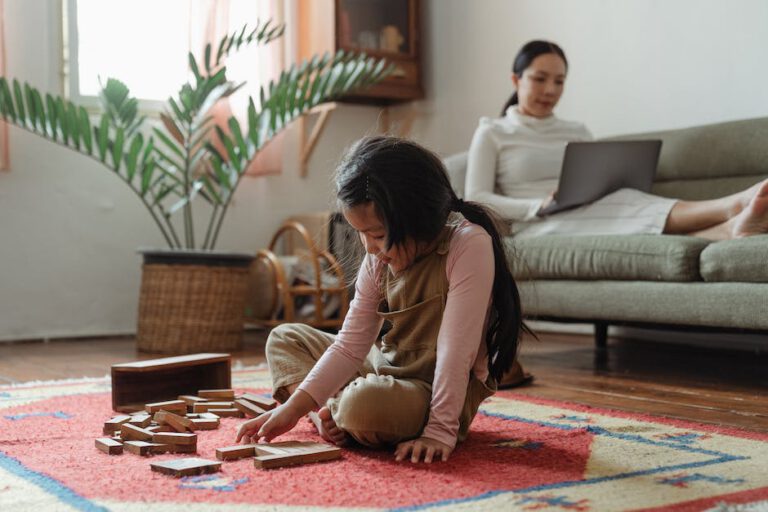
x: 186, y: 467
x: 178, y: 423
x: 174, y: 438
x: 204, y: 424
x: 208, y: 416
x: 113, y: 425
x: 228, y: 394
x: 206, y: 406
x: 262, y: 401
x: 160, y: 428
x: 144, y: 448
x: 248, y: 408
x: 109, y: 446
x: 175, y: 406
x: 182, y: 448
x: 239, y: 451
x: 228, y: 413
x: 137, y: 383
x: 130, y: 432
x: 140, y: 420
x: 289, y: 453
x: 191, y: 400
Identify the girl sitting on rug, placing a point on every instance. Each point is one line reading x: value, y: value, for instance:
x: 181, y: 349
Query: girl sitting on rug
x: 436, y: 273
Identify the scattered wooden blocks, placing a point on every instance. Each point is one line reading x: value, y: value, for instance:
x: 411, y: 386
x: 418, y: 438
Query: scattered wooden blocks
x: 144, y: 448
x: 262, y: 401
x: 289, y: 453
x: 248, y: 408
x: 109, y: 446
x: 228, y: 394
x: 178, y: 423
x: 206, y: 406
x: 175, y: 406
x: 130, y: 432
x: 239, y: 451
x: 174, y: 438
x: 113, y: 425
x: 186, y: 467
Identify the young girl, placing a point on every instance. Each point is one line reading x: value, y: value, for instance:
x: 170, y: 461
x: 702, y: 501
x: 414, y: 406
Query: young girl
x: 436, y: 274
x: 514, y: 165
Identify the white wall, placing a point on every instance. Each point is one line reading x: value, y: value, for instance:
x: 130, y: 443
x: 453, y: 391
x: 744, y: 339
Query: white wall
x: 635, y: 65
x: 69, y: 230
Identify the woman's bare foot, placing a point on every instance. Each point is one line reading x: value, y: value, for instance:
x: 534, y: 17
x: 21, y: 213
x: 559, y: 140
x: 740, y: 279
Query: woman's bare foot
x: 742, y: 199
x: 753, y: 220
x: 327, y: 428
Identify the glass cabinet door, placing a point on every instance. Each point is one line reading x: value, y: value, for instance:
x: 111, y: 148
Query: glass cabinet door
x: 375, y: 26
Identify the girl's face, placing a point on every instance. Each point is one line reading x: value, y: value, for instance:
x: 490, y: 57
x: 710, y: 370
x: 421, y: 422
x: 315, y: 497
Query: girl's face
x: 541, y: 85
x: 373, y: 234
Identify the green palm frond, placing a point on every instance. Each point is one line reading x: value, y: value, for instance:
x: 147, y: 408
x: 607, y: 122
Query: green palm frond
x: 169, y: 166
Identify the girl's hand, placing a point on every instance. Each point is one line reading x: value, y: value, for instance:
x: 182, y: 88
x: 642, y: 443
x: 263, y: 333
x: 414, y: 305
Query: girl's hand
x: 429, y: 448
x: 278, y: 421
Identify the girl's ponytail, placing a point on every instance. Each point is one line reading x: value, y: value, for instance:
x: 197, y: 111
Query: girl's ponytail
x: 506, y: 324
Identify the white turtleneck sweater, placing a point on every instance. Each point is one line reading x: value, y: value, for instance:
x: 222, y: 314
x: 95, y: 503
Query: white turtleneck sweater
x: 514, y: 162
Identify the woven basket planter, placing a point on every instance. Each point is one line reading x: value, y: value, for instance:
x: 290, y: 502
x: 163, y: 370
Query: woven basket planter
x: 192, y: 301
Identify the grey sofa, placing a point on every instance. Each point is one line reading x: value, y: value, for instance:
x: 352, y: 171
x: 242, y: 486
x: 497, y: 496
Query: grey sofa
x: 658, y: 280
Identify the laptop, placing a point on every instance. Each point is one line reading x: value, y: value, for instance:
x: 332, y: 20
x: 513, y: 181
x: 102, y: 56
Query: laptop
x: 592, y: 170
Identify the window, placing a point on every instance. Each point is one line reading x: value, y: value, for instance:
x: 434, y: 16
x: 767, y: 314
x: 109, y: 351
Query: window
x: 144, y: 43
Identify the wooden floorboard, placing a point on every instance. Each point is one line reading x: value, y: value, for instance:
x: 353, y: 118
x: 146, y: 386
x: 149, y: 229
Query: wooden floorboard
x: 717, y: 386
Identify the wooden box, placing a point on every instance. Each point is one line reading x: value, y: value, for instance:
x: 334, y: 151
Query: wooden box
x: 156, y: 380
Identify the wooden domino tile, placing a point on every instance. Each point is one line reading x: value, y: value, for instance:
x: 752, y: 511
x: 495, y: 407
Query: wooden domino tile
x: 144, y: 448
x: 175, y: 406
x: 289, y: 453
x: 262, y: 401
x: 113, y: 425
x: 174, y: 438
x: 204, y: 424
x: 206, y: 406
x: 248, y: 408
x: 228, y: 413
x: 130, y: 432
x: 227, y: 394
x: 178, y: 423
x: 186, y: 467
x: 109, y: 446
x: 238, y: 451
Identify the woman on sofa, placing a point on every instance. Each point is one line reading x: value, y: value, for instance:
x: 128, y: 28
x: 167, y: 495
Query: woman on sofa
x: 521, y: 154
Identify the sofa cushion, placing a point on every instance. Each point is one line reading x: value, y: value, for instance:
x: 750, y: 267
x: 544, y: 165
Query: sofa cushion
x: 742, y: 260
x: 608, y: 257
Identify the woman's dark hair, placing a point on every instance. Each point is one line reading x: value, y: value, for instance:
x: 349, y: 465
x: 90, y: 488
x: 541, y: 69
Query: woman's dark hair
x: 412, y: 194
x: 525, y: 57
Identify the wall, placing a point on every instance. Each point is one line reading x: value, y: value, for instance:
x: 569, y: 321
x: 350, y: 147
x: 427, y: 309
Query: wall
x: 635, y: 65
x: 69, y: 229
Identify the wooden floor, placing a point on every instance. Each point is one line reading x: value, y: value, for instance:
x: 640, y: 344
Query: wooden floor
x: 701, y: 384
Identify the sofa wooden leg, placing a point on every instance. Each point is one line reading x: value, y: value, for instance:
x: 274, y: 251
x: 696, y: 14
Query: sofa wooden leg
x: 601, y: 336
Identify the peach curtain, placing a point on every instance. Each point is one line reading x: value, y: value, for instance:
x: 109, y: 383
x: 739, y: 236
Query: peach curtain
x: 4, y: 159
x: 213, y: 19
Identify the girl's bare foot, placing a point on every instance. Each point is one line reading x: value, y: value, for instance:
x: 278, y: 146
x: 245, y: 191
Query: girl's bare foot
x: 327, y: 428
x: 753, y: 220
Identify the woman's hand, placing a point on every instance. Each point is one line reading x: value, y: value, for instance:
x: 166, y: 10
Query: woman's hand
x: 547, y: 201
x: 429, y: 448
x: 278, y: 421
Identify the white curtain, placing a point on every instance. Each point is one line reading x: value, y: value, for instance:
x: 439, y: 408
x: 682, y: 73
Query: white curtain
x: 211, y: 20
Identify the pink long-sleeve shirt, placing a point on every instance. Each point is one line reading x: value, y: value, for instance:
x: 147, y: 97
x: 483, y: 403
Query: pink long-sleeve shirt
x: 460, y: 342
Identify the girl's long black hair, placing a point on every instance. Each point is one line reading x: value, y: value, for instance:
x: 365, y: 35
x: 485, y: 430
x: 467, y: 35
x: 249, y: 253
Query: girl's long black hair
x: 525, y: 57
x: 412, y: 194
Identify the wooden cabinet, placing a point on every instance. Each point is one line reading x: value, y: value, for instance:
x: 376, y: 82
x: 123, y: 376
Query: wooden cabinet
x: 380, y: 28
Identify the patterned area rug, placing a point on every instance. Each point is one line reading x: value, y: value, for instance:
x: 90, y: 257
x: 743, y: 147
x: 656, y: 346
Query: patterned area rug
x: 522, y: 454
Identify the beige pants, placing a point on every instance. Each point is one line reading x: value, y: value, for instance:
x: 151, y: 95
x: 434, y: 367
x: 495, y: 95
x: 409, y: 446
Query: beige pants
x: 373, y: 409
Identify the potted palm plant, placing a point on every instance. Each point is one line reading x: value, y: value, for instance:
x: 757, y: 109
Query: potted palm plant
x: 192, y: 296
